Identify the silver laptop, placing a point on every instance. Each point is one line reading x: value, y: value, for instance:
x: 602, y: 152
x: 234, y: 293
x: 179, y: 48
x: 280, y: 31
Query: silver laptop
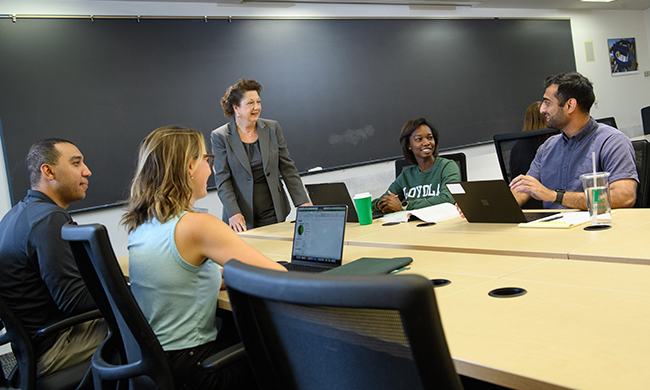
x: 490, y: 201
x: 318, y: 238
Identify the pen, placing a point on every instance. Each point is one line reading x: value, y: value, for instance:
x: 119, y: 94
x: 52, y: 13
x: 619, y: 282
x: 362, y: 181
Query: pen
x: 552, y: 219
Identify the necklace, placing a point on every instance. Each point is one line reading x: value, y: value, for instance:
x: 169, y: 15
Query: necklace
x: 249, y: 134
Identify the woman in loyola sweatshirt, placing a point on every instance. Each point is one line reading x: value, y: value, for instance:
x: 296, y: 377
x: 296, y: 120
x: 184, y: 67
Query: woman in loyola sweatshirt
x: 423, y: 183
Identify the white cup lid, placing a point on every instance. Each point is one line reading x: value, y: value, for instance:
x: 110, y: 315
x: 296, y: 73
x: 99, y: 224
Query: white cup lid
x: 362, y: 195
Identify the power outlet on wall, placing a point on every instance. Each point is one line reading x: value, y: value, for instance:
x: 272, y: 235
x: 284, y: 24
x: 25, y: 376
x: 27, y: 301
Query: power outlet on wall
x: 646, y: 73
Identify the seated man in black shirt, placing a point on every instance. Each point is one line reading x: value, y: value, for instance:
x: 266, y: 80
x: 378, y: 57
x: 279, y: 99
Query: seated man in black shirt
x: 40, y: 281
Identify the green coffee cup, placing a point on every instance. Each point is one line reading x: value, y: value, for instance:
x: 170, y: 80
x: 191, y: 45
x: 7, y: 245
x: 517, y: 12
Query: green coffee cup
x: 363, y: 203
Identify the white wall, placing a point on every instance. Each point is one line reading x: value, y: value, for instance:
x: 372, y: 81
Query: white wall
x: 647, y: 24
x: 621, y: 97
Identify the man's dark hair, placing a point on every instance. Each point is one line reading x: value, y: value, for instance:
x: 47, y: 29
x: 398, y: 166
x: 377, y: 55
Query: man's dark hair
x: 42, y: 152
x: 405, y: 135
x: 573, y: 85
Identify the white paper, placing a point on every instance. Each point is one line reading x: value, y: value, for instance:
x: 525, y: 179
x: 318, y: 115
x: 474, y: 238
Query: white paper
x: 567, y: 219
x: 455, y: 188
x: 436, y: 213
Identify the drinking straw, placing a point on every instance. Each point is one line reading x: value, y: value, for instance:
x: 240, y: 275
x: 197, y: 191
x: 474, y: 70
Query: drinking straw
x: 594, y: 215
x: 593, y: 164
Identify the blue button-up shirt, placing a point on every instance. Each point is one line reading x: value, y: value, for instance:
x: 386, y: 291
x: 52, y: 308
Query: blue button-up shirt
x: 560, y: 161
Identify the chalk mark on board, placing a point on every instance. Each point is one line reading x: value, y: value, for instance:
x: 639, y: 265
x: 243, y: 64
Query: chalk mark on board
x: 352, y: 137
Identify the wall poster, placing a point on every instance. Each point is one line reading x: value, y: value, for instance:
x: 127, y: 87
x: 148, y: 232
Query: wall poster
x: 622, y: 56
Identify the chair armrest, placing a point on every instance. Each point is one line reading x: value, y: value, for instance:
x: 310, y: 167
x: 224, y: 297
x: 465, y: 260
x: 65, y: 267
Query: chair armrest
x: 68, y: 322
x: 224, y: 358
x: 4, y: 339
x: 111, y: 371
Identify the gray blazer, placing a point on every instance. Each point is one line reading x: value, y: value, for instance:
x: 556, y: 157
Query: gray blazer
x: 234, y: 178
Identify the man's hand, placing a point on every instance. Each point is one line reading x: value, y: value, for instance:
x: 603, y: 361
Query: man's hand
x: 530, y: 186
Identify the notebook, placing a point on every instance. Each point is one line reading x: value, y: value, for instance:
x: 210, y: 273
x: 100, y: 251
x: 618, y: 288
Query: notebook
x: 335, y: 193
x: 490, y: 201
x: 318, y: 237
x: 372, y: 266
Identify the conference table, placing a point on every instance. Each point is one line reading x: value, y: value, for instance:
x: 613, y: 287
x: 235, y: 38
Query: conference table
x: 625, y: 242
x: 581, y: 325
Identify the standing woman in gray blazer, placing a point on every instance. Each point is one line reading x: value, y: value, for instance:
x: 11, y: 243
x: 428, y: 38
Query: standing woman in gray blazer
x: 250, y: 154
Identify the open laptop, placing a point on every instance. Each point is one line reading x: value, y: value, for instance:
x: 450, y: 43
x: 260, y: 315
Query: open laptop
x: 490, y: 201
x: 318, y: 237
x: 335, y: 193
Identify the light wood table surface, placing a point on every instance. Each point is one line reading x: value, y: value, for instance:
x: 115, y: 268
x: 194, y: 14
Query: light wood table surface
x: 582, y: 324
x: 622, y: 246
x: 458, y: 235
x: 610, y: 276
x: 624, y: 242
x: 555, y: 336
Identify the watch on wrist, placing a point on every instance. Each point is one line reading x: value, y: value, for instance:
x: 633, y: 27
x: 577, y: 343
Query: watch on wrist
x: 559, y: 197
x: 405, y: 204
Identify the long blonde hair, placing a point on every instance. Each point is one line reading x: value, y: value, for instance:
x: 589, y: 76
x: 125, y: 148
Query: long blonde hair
x: 162, y: 185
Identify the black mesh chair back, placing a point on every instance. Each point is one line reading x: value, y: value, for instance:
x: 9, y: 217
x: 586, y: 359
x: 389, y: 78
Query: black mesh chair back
x: 610, y: 121
x: 24, y: 375
x: 21, y: 345
x: 308, y: 331
x: 459, y: 158
x: 461, y: 161
x: 516, y: 152
x: 400, y: 164
x: 645, y: 119
x: 642, y: 153
x: 131, y: 354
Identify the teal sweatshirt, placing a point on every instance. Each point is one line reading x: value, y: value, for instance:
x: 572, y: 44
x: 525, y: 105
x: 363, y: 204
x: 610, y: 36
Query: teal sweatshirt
x: 423, y: 189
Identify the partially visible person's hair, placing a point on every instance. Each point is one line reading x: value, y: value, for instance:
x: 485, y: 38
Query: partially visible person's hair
x: 405, y: 135
x: 534, y: 119
x: 162, y: 185
x: 235, y: 93
x: 42, y: 152
x: 573, y: 85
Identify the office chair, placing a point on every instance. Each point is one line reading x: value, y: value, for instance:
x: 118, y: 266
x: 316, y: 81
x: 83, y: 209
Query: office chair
x: 459, y: 158
x: 642, y: 153
x: 610, y: 121
x: 308, y: 331
x: 645, y: 119
x: 131, y: 351
x: 24, y: 374
x: 516, y: 152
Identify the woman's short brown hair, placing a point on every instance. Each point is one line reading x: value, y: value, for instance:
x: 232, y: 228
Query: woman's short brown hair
x: 235, y: 93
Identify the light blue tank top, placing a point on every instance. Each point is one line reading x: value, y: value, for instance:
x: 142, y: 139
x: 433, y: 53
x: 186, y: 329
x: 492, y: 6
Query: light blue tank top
x: 178, y: 299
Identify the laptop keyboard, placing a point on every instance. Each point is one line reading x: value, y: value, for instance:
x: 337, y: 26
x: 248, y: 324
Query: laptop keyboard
x: 303, y: 268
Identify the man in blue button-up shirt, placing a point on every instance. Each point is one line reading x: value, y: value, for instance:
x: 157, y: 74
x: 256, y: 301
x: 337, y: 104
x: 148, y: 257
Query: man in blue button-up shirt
x: 554, y: 175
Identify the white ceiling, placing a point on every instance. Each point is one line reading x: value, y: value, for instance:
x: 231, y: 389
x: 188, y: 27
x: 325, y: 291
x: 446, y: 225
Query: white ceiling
x: 527, y: 4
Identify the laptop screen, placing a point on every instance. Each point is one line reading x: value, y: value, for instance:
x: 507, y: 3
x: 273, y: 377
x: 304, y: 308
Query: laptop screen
x: 319, y: 234
x: 332, y: 193
x: 490, y: 201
